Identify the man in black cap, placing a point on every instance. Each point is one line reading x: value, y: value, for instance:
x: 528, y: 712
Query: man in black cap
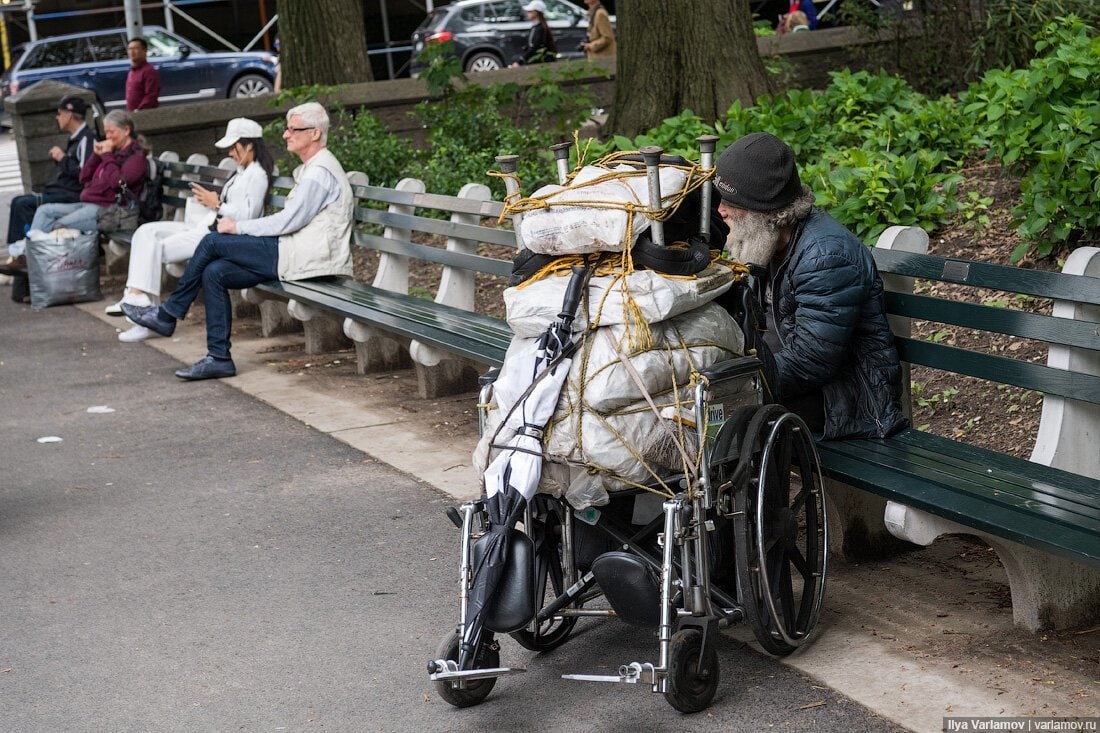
x: 64, y: 189
x: 828, y: 351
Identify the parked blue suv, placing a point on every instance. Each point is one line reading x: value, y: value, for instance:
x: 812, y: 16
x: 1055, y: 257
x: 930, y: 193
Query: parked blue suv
x: 97, y: 61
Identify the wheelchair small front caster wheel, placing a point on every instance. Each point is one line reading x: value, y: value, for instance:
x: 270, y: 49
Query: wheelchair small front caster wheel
x: 692, y: 672
x: 470, y: 692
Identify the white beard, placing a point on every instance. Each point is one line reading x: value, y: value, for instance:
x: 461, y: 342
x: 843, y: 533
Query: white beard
x: 752, y: 238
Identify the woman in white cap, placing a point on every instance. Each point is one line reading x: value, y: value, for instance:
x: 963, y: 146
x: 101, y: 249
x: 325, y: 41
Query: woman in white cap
x: 243, y: 197
x: 540, y: 44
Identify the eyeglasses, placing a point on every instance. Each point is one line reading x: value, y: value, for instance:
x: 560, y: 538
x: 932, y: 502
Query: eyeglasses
x: 299, y: 129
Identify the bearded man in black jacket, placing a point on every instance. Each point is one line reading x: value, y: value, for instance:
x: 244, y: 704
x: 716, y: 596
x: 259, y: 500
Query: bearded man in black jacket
x: 828, y: 349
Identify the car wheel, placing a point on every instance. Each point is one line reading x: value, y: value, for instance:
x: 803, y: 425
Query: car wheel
x: 483, y: 61
x: 250, y: 85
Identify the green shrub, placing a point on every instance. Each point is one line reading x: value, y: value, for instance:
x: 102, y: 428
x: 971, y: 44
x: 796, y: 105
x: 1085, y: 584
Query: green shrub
x: 1044, y: 122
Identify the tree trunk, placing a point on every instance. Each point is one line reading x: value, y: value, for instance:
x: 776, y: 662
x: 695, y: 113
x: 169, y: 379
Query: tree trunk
x: 683, y: 54
x: 322, y: 42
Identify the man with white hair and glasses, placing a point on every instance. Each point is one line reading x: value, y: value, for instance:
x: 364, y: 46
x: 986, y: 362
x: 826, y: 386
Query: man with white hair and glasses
x: 310, y: 237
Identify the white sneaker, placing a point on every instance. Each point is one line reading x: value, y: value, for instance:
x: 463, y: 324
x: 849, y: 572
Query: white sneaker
x: 141, y: 300
x: 114, y: 309
x: 135, y: 334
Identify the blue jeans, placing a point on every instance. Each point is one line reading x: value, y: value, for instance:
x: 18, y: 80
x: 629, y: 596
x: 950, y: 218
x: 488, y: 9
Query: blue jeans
x: 223, y: 262
x: 23, y: 209
x: 80, y: 216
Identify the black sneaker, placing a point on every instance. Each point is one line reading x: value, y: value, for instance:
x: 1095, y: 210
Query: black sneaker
x: 208, y: 367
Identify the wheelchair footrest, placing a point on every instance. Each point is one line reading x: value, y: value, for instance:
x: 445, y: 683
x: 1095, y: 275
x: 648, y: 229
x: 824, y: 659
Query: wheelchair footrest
x: 474, y: 674
x: 629, y: 673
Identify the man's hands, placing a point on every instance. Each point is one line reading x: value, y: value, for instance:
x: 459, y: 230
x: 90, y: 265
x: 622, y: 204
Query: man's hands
x: 57, y: 154
x: 227, y: 226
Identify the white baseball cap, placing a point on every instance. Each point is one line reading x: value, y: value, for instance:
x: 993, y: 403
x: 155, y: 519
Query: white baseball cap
x: 538, y: 5
x: 239, y: 127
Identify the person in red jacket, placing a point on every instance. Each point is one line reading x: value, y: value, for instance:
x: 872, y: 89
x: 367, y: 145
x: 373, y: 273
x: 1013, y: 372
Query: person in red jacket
x: 143, y: 81
x: 117, y: 156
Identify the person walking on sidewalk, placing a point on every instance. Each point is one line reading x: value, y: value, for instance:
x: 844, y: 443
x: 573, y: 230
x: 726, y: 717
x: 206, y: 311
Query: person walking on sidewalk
x: 143, y: 80
x: 601, y: 39
x: 310, y: 237
x: 242, y: 198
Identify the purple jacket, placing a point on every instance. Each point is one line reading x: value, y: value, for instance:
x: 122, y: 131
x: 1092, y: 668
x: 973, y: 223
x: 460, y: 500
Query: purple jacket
x: 142, y: 88
x: 101, y: 174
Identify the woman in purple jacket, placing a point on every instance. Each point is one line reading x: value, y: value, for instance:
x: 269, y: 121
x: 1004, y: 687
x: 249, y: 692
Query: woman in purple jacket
x: 117, y: 157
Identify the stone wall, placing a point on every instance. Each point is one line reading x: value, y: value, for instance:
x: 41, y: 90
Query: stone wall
x: 34, y: 126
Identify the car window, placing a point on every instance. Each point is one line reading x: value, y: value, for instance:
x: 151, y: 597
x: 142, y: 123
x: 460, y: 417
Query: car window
x: 504, y: 11
x: 162, y: 45
x: 472, y: 14
x: 58, y: 53
x: 558, y: 11
x: 109, y: 47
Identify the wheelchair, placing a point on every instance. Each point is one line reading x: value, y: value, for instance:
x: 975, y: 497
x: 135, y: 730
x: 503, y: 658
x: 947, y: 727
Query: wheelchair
x: 741, y: 539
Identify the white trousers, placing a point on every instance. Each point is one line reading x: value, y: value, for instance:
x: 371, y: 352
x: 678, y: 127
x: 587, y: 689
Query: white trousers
x: 156, y: 243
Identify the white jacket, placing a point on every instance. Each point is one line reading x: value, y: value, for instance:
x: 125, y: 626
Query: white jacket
x: 323, y: 246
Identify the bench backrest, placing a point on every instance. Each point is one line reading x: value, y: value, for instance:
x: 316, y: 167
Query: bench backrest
x: 391, y: 220
x: 1072, y: 294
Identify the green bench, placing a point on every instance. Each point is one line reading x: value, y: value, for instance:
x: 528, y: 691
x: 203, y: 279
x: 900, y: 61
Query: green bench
x: 391, y: 327
x: 1042, y: 516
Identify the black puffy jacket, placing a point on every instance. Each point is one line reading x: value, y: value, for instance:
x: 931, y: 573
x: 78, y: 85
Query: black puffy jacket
x: 830, y: 315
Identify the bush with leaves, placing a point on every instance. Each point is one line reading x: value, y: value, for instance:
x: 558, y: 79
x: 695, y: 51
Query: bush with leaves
x: 1044, y: 121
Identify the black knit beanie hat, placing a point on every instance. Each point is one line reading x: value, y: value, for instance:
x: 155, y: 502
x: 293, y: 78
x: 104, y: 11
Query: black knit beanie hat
x: 757, y: 173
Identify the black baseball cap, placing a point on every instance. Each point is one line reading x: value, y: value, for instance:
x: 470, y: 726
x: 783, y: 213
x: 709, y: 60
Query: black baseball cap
x: 73, y: 104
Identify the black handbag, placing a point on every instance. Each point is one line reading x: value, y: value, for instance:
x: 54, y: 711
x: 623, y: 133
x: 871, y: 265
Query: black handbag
x: 117, y: 218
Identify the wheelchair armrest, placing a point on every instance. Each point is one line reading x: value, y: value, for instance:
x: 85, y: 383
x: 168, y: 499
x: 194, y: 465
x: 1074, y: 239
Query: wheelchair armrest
x: 739, y: 367
x: 488, y: 377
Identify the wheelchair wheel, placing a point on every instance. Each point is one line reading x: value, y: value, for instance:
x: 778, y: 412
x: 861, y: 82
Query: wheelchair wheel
x: 780, y: 531
x: 549, y: 584
x: 692, y: 672
x: 475, y: 691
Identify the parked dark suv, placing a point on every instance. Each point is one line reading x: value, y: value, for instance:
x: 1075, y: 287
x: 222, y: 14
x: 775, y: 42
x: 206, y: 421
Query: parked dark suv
x: 490, y: 34
x: 97, y: 61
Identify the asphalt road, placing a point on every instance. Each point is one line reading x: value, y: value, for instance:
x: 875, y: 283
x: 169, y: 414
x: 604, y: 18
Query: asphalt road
x: 198, y: 561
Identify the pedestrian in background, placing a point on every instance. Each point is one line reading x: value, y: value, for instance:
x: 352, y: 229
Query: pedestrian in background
x: 601, y: 39
x: 540, y: 46
x: 143, y: 81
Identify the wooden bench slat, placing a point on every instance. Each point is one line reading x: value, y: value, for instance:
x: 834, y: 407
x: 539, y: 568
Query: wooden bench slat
x: 442, y: 227
x: 1064, y: 331
x: 842, y: 460
x: 439, y: 202
x: 1020, y: 487
x: 986, y: 275
x: 1038, y: 377
x: 427, y: 312
x: 478, y: 263
x: 374, y: 308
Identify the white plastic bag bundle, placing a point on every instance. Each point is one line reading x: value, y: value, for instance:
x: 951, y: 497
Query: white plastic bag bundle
x: 535, y: 306
x: 575, y: 228
x: 602, y: 420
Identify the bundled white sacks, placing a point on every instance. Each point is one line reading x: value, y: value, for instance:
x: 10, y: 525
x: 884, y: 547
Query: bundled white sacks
x: 603, y: 421
x: 656, y: 298
x: 587, y: 224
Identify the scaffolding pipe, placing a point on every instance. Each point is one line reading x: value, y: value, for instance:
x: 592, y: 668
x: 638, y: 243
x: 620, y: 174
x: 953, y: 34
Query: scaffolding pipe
x: 134, y: 26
